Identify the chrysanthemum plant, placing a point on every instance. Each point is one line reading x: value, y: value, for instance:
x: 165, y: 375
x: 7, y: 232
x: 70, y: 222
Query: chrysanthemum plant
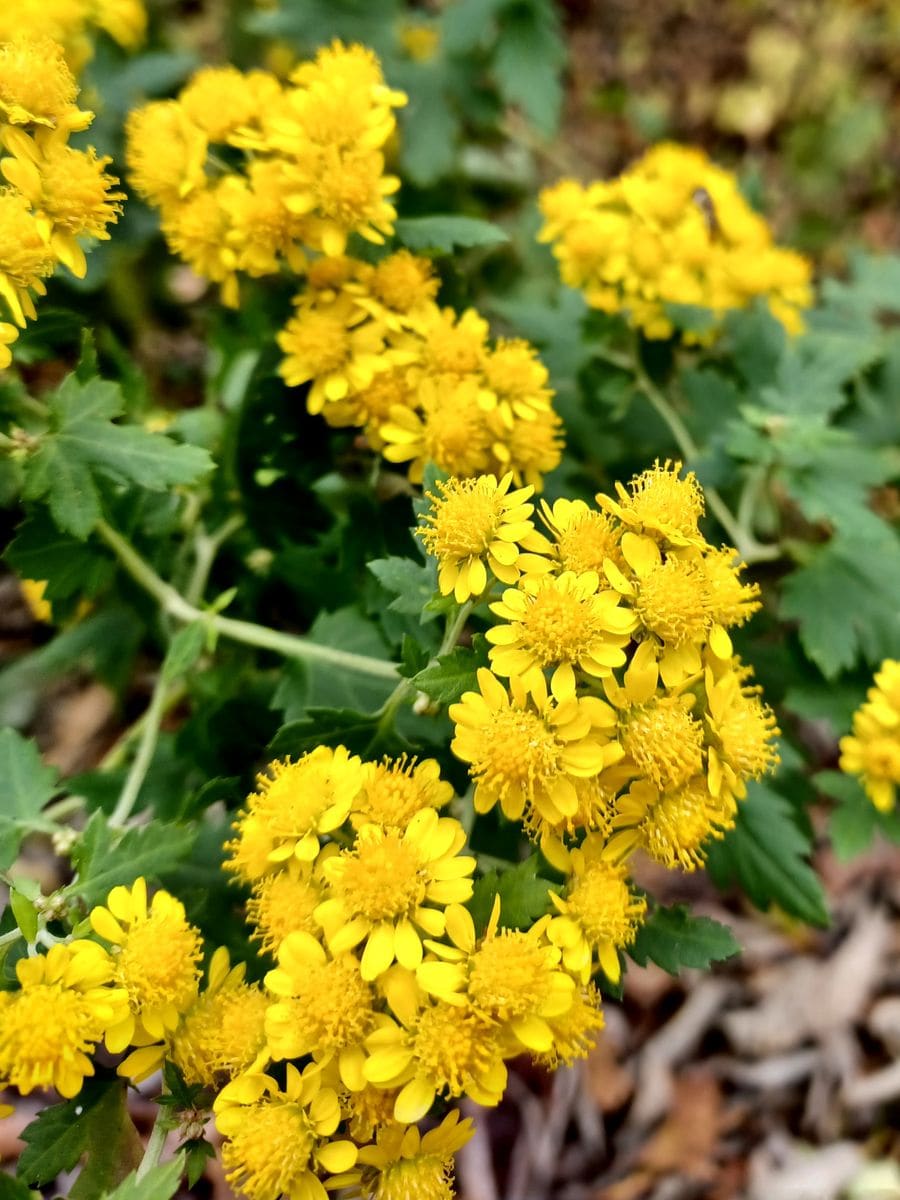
x: 430, y: 639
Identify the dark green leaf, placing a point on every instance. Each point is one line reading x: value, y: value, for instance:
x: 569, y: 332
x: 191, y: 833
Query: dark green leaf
x: 673, y: 939
x: 453, y: 673
x: 413, y: 657
x: 767, y: 855
x: 325, y: 727
x: 197, y: 1154
x: 61, y: 1134
x: 27, y: 784
x: 349, y: 629
x: 411, y: 583
x: 103, y: 861
x: 13, y: 1189
x: 855, y: 820
x: 40, y: 551
x: 524, y: 896
x: 528, y: 61
x: 441, y: 234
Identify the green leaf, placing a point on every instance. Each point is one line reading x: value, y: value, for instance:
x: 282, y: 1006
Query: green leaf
x: 325, y: 727
x: 855, y: 820
x: 442, y: 234
x: 92, y: 1123
x: 411, y: 583
x: 529, y: 59
x: 103, y: 862
x: 13, y: 1189
x: 25, y: 913
x: 845, y: 602
x: 40, y: 551
x: 413, y: 657
x: 524, y: 896
x: 197, y: 1154
x: 26, y: 784
x: 766, y: 855
x: 184, y: 649
x: 351, y: 630
x: 453, y: 673
x: 159, y: 1183
x: 429, y: 125
x: 673, y: 938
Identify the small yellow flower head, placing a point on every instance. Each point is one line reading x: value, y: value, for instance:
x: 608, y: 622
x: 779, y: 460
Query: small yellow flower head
x: 600, y: 913
x: 526, y: 750
x: 219, y: 100
x: 165, y: 152
x: 294, y: 803
x: 394, y: 790
x: 672, y: 827
x: 156, y: 955
x: 326, y: 346
x: 454, y: 345
x: 584, y: 537
x: 419, y: 41
x: 392, y: 884
x: 731, y: 601
x: 442, y: 424
x: 476, y: 525
x: 36, y: 85
x: 404, y: 1164
x: 873, y: 750
x: 559, y: 622
x: 52, y: 1023
x: 197, y: 231
x: 531, y: 448
x: 743, y: 731
x: 661, y: 504
x: 344, y: 192
x: 448, y: 1050
x: 276, y: 1141
x: 325, y: 1007
x: 33, y: 595
x: 260, y: 229
x: 400, y: 288
x: 516, y: 380
x: 124, y: 20
x: 223, y: 1032
x: 8, y: 334
x: 663, y: 740
x: 25, y: 258
x: 575, y: 1033
x: 368, y: 1110
x: 283, y: 903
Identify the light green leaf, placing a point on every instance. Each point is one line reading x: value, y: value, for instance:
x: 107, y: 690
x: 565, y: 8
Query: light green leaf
x: 441, y: 234
x: 524, y: 896
x: 529, y: 59
x: 673, y: 938
x: 88, y: 1124
x: 26, y: 784
x: 103, y: 862
x: 159, y: 1183
x: 412, y: 583
x: 184, y: 649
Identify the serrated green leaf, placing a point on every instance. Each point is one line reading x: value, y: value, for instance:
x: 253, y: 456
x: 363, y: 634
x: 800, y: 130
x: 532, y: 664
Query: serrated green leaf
x: 529, y: 59
x: 26, y: 784
x: 673, y: 938
x: 430, y: 127
x: 197, y: 1154
x: 446, y: 680
x: 443, y: 234
x: 103, y: 861
x: 40, y: 551
x: 855, y: 820
x: 413, y: 657
x: 325, y: 727
x: 63, y: 1133
x: 412, y: 584
x: 159, y: 1183
x: 767, y: 855
x: 351, y: 630
x: 524, y: 896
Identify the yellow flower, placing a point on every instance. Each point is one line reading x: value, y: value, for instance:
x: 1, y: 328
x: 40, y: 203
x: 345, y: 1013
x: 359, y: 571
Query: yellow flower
x: 583, y: 537
x: 366, y: 1111
x: 443, y: 425
x: 294, y: 803
x: 282, y: 904
x: 33, y: 595
x: 124, y: 20
x: 156, y: 955
x: 165, y: 152
x: 36, y: 85
x: 404, y: 1164
x: 559, y: 622
x: 343, y: 192
x: 516, y: 381
x: 222, y: 1034
x: 575, y: 1034
x: 873, y: 749
x: 25, y: 257
x: 454, y: 345
x: 731, y: 601
x: 531, y: 448
x: 600, y: 913
x: 220, y: 100
x: 61, y: 1010
x: 8, y: 334
x: 660, y: 504
x: 261, y: 232
x: 446, y: 1050
x: 394, y: 790
x: 398, y: 291
x: 510, y: 976
x: 420, y: 41
x: 197, y: 230
x: 276, y: 1140
x: 390, y: 885
x: 671, y: 827
x: 325, y: 1007
x: 526, y: 750
x: 742, y: 730
x: 476, y: 525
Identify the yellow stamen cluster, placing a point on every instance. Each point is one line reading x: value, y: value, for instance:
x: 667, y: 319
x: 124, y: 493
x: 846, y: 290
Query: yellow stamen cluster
x: 872, y: 751
x: 673, y: 229
x: 311, y: 170
x: 52, y: 195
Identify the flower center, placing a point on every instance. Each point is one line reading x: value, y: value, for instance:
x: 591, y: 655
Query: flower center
x: 403, y: 282
x: 331, y: 1008
x: 672, y: 602
x: 41, y: 1026
x: 604, y: 906
x: 664, y: 741
x: 517, y: 752
x: 158, y: 962
x: 465, y: 521
x: 558, y: 627
x: 319, y: 339
x: 745, y: 732
x: 425, y: 1177
x: 24, y: 257
x: 660, y: 500
x: 510, y: 976
x: 454, y: 1046
x: 381, y: 879
x: 675, y: 829
x: 585, y: 544
x: 280, y: 905
x: 270, y: 1152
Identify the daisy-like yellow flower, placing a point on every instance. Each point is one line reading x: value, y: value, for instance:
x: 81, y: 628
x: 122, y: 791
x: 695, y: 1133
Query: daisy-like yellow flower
x: 8, y: 334
x: 394, y: 790
x: 731, y: 600
x: 277, y: 1140
x: 63, y: 1007
x: 404, y: 1164
x: 454, y: 345
x: 124, y: 20
x: 294, y: 803
x: 742, y: 730
x: 391, y: 885
x: 511, y: 976
x: 559, y: 623
x: 26, y: 259
x: 531, y: 449
x: 222, y: 1034
x: 36, y: 85
x: 526, y: 749
x: 600, y: 914
x: 365, y: 1111
x: 261, y: 232
x: 444, y: 425
x: 284, y: 903
x: 165, y: 153
x: 584, y: 537
x: 575, y: 1034
x: 516, y: 381
x: 872, y: 751
x: 197, y: 230
x: 479, y: 525
x: 221, y: 100
x: 156, y: 954
x: 445, y: 1050
x: 398, y: 291
x: 672, y: 827
x: 661, y: 504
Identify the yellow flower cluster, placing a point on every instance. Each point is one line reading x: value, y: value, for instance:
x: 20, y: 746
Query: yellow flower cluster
x: 424, y: 383
x: 873, y: 750
x: 73, y: 22
x: 53, y: 194
x: 615, y: 713
x: 309, y: 169
x: 673, y: 229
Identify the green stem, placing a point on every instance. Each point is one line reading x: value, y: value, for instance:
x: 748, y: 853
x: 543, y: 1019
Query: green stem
x: 206, y: 547
x: 67, y: 807
x: 286, y: 644
x: 141, y: 764
x: 155, y: 1144
x: 744, y: 542
x: 406, y: 689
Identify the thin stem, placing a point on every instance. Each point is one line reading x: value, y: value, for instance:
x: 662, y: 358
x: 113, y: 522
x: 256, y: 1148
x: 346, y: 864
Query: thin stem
x: 206, y: 547
x: 406, y: 689
x: 286, y: 644
x: 13, y: 936
x: 744, y: 542
x: 155, y: 1143
x: 66, y: 807
x: 118, y: 751
x: 146, y: 747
